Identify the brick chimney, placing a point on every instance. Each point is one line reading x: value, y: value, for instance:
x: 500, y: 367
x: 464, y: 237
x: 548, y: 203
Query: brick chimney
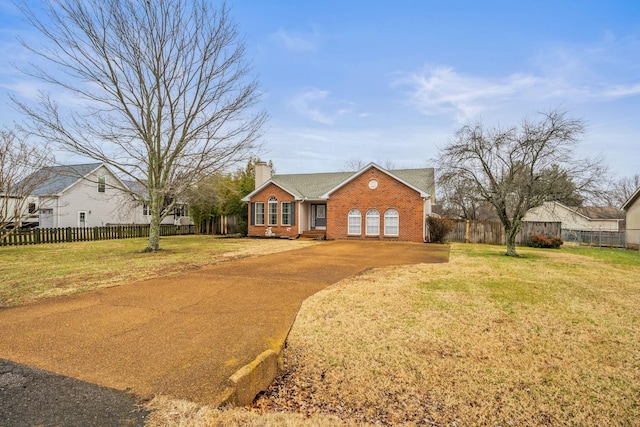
x: 263, y: 173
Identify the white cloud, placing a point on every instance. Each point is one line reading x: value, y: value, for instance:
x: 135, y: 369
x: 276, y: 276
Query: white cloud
x: 442, y: 90
x: 601, y: 72
x: 318, y: 106
x: 298, y: 42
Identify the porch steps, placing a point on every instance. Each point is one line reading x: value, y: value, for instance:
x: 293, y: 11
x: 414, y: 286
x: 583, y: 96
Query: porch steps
x: 314, y: 234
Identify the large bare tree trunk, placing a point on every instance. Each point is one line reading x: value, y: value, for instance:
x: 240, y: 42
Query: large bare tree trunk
x: 167, y: 95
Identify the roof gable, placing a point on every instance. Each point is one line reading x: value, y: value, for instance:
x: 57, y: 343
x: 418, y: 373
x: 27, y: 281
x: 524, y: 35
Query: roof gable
x: 631, y: 200
x: 318, y: 186
x: 593, y: 213
x: 420, y: 180
x: 59, y: 179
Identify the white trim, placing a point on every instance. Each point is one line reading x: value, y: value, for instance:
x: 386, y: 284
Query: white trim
x: 397, y: 225
x: 272, y: 201
x: 80, y: 213
x: 248, y: 197
x: 349, y: 233
x: 366, y: 223
x: 255, y: 214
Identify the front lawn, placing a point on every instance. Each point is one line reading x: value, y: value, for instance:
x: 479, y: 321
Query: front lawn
x: 29, y: 273
x: 552, y: 338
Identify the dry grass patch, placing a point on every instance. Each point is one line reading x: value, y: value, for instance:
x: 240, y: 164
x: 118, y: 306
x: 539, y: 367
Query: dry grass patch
x: 30, y: 273
x: 181, y: 413
x: 548, y: 339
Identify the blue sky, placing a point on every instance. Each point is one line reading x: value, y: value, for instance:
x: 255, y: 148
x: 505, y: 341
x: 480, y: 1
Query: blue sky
x: 390, y: 82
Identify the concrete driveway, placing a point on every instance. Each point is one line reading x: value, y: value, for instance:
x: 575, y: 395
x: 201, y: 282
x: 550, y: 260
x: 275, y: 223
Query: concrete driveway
x: 183, y: 336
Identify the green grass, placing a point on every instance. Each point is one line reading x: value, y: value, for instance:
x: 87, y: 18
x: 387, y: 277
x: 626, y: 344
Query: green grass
x: 33, y: 272
x: 550, y: 338
x: 610, y: 256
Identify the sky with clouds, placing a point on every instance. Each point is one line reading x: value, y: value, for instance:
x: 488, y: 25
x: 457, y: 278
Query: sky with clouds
x: 390, y: 82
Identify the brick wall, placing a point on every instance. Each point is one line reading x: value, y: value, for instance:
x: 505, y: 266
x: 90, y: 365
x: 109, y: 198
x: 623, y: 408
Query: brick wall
x: 389, y: 194
x: 279, y: 230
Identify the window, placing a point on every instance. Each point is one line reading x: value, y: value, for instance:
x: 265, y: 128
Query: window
x: 32, y: 208
x: 391, y: 223
x: 259, y: 213
x: 102, y: 184
x: 354, y: 225
x: 273, y: 211
x: 373, y: 223
x: 180, y: 210
x: 287, y: 214
x: 146, y: 211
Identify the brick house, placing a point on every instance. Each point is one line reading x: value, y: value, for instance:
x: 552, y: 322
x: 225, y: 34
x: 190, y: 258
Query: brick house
x: 370, y: 204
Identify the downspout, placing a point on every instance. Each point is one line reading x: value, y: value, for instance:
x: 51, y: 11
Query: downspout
x: 424, y: 220
x: 299, y: 216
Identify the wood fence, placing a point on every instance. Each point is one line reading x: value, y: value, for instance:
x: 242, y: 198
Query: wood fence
x: 36, y: 236
x: 492, y: 232
x: 222, y: 225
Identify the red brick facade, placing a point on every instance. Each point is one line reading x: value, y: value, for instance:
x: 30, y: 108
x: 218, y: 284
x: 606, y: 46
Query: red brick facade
x: 389, y: 194
x: 371, y: 190
x: 279, y: 230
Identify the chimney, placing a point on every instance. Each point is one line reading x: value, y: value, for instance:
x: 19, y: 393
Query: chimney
x: 263, y: 173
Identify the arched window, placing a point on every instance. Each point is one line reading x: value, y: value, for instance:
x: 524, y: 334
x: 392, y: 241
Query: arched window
x: 373, y: 223
x: 391, y: 223
x: 355, y: 222
x: 273, y: 211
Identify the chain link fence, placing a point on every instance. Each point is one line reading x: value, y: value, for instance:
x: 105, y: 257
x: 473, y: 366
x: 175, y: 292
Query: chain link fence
x: 613, y: 239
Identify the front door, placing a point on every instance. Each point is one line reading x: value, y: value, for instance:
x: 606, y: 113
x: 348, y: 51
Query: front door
x: 318, y: 217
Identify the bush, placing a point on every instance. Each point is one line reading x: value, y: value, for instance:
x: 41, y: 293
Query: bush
x: 439, y: 227
x: 541, y: 241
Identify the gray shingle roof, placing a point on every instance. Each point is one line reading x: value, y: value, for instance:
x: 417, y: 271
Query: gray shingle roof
x: 57, y: 178
x: 315, y: 185
x: 310, y: 185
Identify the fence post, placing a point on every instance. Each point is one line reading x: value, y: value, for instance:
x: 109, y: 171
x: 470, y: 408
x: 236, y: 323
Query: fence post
x: 467, y: 231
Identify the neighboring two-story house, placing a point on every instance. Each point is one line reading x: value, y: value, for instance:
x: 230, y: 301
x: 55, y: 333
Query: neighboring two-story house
x: 88, y: 195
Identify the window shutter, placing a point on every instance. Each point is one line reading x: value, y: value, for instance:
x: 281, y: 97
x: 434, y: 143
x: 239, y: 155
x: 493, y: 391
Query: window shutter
x: 293, y: 213
x: 252, y: 220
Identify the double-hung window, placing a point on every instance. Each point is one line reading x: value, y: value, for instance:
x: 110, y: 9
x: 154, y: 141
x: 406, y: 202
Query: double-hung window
x: 259, y: 219
x: 391, y: 223
x: 273, y: 211
x: 102, y: 184
x: 286, y: 214
x: 354, y: 225
x: 372, y: 223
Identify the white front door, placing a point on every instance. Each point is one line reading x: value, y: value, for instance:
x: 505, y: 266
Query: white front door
x: 82, y: 218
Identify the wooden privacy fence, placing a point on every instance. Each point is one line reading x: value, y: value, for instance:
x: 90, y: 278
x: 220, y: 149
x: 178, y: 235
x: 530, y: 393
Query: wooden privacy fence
x: 492, y: 232
x: 222, y: 225
x: 36, y: 236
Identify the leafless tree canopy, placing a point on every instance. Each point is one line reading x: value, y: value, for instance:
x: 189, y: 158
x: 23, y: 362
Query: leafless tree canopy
x: 518, y: 168
x: 159, y: 89
x: 19, y: 161
x: 622, y: 190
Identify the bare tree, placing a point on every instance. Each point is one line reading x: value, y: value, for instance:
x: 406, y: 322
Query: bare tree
x: 19, y: 162
x: 520, y: 167
x: 354, y: 164
x: 623, y: 189
x: 166, y: 95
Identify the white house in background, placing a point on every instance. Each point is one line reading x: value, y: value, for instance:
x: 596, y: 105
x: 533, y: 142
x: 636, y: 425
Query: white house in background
x: 632, y: 216
x: 586, y: 218
x: 87, y: 195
